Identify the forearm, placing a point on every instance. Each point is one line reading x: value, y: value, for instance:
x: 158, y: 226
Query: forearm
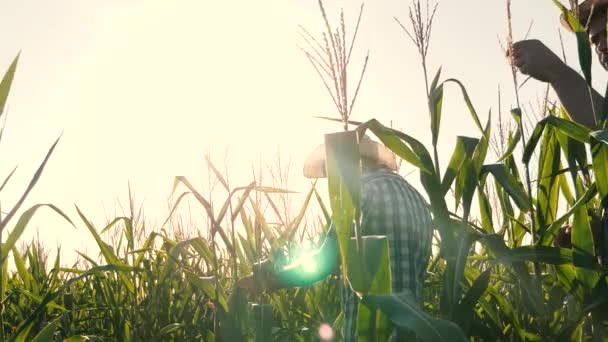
x: 573, y: 93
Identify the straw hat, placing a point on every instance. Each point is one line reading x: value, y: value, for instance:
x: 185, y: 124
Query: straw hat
x: 380, y: 156
x: 585, y: 9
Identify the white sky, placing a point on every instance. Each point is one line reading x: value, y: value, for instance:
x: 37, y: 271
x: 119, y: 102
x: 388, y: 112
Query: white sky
x: 143, y: 89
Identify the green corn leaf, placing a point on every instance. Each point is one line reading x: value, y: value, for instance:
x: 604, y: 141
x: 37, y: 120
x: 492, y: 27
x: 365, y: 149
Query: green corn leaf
x: 416, y: 154
x: 343, y: 174
x: 481, y: 150
x: 435, y: 106
x: 533, y: 141
x: 582, y: 241
x: 512, y: 144
x: 201, y: 246
x: 7, y: 178
x: 547, y: 199
x: 20, y: 226
x: 128, y: 229
x: 565, y: 190
x: 77, y: 338
x: 509, y: 184
x: 403, y: 312
x: 507, y: 310
x: 146, y: 246
x: 224, y: 210
x: 87, y: 258
x: 175, y: 205
x: 216, y: 226
x: 569, y: 128
x: 295, y: 223
x: 248, y: 250
x: 217, y: 173
x: 435, y: 79
x: 458, y: 267
x: 105, y: 249
x: 557, y: 224
x: 37, y: 299
x: 369, y: 272
x: 368, y: 267
x: 572, y: 129
x: 516, y: 114
x: 465, y: 311
x: 207, y: 285
x: 599, y: 154
x: 169, y: 329
x: 551, y: 256
x: 174, y: 259
x: 468, y: 102
x: 7, y: 81
x: 485, y: 210
x: 465, y: 146
x: 97, y: 270
x: 107, y: 252
x: 441, y: 214
x: 541, y: 254
x: 25, y: 275
x: 268, y: 232
x: 467, y: 182
x: 326, y: 213
x: 46, y: 334
x: 22, y: 332
x: 29, y: 188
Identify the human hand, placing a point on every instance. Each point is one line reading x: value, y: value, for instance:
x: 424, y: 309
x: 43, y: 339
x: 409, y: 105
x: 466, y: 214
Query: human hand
x: 535, y: 59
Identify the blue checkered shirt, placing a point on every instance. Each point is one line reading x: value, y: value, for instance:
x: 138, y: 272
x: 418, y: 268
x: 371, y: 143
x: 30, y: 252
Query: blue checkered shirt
x: 390, y: 206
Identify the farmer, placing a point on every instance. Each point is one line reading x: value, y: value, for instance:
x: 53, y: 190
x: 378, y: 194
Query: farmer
x: 533, y: 58
x: 390, y: 206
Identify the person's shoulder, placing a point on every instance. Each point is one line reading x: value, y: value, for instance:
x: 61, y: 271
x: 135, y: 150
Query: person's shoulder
x: 380, y: 175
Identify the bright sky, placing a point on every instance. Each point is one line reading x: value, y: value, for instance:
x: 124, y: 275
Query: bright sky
x: 142, y: 89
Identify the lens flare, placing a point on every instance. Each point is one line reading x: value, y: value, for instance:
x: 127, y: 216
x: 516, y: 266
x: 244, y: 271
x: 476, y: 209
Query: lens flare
x: 326, y: 333
x: 309, y: 265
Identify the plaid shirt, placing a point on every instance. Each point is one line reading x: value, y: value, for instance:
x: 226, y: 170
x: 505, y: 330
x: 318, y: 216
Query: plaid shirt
x: 392, y: 207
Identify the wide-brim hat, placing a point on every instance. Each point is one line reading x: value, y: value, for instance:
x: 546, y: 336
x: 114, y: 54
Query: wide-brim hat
x: 378, y: 154
x: 585, y: 9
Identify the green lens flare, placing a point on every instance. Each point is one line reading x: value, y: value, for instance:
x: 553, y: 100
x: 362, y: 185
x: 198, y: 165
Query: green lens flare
x: 309, y: 264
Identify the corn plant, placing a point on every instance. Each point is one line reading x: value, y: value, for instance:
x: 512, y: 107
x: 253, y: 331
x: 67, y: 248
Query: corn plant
x: 560, y: 291
x: 535, y: 272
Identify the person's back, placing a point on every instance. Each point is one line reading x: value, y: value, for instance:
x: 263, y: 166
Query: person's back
x: 390, y: 206
x: 393, y: 208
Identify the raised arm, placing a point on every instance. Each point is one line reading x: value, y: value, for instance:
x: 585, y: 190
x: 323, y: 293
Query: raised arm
x: 533, y: 58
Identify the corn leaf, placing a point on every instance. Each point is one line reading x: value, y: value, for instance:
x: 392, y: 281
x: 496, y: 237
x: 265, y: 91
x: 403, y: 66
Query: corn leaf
x: 7, y: 81
x: 20, y: 226
x: 599, y: 154
x: 7, y: 179
x: 416, y: 154
x: 29, y: 188
x: 435, y: 105
x: 509, y: 184
x: 343, y: 174
x: 403, y: 312
x: 465, y: 146
x: 582, y: 242
x: 468, y: 102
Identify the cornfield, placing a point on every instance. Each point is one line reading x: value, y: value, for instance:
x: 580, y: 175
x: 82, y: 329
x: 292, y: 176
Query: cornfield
x: 526, y: 262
